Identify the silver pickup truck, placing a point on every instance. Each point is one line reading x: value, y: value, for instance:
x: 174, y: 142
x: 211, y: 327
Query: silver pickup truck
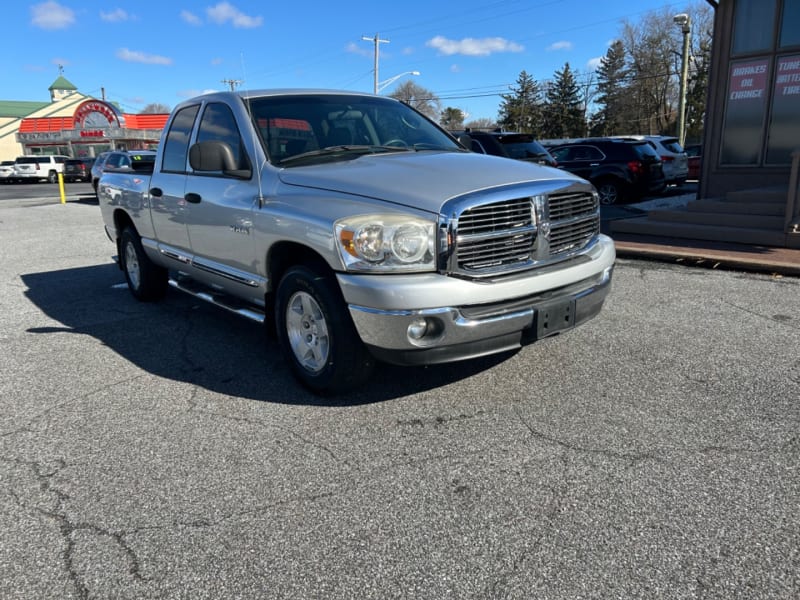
x: 356, y: 229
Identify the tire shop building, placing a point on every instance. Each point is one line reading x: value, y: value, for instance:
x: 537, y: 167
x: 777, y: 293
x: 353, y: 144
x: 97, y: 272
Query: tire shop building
x: 749, y: 188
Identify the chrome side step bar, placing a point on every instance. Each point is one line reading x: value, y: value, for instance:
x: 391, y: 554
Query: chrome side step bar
x: 224, y: 301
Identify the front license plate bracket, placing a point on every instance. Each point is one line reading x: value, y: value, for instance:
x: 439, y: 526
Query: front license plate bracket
x: 554, y: 317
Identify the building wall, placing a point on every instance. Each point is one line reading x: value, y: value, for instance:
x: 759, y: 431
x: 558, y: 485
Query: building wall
x: 753, y: 115
x: 10, y: 148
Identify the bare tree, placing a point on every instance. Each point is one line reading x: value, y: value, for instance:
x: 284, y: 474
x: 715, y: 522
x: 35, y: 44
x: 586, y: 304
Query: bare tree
x: 418, y: 97
x: 483, y: 123
x: 155, y: 108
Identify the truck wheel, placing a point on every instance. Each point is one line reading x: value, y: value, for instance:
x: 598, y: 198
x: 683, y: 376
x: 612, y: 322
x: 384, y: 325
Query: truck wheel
x: 316, y: 334
x: 146, y: 280
x: 52, y: 177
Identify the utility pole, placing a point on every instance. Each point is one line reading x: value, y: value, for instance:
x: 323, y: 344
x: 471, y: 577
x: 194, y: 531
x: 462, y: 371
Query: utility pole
x: 233, y: 83
x: 686, y: 28
x: 376, y: 40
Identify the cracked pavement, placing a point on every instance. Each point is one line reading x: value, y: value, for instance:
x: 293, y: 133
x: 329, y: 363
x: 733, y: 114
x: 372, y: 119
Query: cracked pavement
x: 164, y: 451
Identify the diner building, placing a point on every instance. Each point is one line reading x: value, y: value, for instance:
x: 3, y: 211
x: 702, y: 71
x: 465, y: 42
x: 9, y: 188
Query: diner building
x: 73, y: 124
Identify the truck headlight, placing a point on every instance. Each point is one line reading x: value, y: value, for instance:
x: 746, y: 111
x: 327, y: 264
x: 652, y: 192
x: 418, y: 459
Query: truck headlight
x: 386, y: 243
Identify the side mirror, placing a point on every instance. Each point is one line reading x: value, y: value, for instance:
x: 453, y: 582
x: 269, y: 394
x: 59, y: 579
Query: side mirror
x: 215, y: 155
x: 465, y: 140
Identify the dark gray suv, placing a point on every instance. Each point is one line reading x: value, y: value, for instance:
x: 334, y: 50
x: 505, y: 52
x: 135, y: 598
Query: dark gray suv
x: 621, y: 170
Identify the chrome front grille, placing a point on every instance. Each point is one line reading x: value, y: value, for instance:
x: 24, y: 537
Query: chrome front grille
x: 518, y: 233
x: 495, y: 235
x: 574, y: 220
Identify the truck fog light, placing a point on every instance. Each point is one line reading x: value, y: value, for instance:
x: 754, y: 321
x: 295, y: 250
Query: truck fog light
x: 417, y: 329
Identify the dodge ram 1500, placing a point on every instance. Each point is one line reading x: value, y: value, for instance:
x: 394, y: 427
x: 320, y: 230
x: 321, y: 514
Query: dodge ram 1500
x: 356, y: 229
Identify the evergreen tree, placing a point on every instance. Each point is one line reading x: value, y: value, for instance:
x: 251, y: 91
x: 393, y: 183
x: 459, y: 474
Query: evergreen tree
x: 522, y: 109
x: 563, y: 107
x: 452, y: 118
x: 611, y: 88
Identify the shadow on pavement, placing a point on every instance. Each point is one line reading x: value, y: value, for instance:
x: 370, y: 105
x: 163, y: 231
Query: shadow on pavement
x: 186, y: 340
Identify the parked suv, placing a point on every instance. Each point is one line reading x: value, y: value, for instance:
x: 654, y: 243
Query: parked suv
x: 620, y: 169
x: 37, y: 167
x: 673, y: 156
x: 522, y: 146
x: 119, y: 159
x: 78, y: 169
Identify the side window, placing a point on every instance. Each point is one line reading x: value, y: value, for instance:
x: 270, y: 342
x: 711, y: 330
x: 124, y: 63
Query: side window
x: 562, y: 154
x: 218, y: 123
x: 593, y: 153
x: 176, y: 145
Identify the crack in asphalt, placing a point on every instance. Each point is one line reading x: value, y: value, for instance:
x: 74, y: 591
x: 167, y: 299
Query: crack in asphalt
x: 44, y: 474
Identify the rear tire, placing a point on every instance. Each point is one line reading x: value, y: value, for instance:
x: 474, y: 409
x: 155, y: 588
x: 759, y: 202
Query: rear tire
x: 146, y: 280
x: 610, y: 191
x: 52, y: 177
x: 316, y: 335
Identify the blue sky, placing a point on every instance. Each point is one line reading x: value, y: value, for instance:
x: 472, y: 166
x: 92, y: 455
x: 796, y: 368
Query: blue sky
x: 467, y: 52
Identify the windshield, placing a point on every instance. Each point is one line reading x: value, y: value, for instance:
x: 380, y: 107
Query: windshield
x: 302, y: 128
x: 645, y: 150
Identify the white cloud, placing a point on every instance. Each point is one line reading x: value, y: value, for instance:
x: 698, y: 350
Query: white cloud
x: 51, y: 15
x: 360, y: 49
x: 594, y: 63
x: 563, y: 45
x: 473, y: 46
x: 142, y: 57
x: 455, y: 68
x: 115, y: 16
x: 224, y: 12
x: 191, y: 18
x: 216, y: 61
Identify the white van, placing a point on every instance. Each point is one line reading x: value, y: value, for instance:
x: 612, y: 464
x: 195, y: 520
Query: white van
x: 35, y: 167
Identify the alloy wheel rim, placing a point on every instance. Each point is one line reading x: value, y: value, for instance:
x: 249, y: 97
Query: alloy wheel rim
x: 132, y: 265
x: 307, y: 331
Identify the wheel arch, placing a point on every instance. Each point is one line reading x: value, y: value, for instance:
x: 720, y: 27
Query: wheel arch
x: 281, y: 257
x: 121, y: 221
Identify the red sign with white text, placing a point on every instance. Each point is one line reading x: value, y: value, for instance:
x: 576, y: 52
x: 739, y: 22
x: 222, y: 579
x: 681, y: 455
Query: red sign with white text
x: 748, y: 80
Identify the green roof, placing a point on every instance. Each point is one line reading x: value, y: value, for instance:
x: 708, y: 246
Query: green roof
x: 18, y: 109
x: 62, y: 84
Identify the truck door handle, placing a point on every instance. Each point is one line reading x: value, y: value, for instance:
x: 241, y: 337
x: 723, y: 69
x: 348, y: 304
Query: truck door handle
x: 156, y: 192
x: 192, y: 197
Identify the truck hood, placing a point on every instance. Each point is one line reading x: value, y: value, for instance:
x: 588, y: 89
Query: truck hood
x: 423, y: 180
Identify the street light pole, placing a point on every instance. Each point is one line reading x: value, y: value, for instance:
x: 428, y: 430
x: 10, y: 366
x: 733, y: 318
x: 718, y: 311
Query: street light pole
x: 376, y: 40
x: 686, y: 27
x: 391, y: 80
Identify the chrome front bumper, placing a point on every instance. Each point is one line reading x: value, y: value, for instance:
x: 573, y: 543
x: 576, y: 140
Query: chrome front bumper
x: 472, y: 330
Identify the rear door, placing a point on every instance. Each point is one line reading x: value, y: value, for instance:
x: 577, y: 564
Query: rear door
x: 168, y: 205
x: 580, y: 159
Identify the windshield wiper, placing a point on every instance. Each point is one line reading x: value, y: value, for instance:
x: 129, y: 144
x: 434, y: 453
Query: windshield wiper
x: 346, y: 151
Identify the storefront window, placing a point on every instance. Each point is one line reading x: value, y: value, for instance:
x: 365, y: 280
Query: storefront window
x: 790, y: 26
x: 753, y: 26
x: 784, y: 130
x: 744, y: 114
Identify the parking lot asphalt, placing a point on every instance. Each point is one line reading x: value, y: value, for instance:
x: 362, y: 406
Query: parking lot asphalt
x: 164, y: 451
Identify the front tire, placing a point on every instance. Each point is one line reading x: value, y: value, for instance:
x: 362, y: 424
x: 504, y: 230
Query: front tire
x: 146, y: 280
x: 316, y: 335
